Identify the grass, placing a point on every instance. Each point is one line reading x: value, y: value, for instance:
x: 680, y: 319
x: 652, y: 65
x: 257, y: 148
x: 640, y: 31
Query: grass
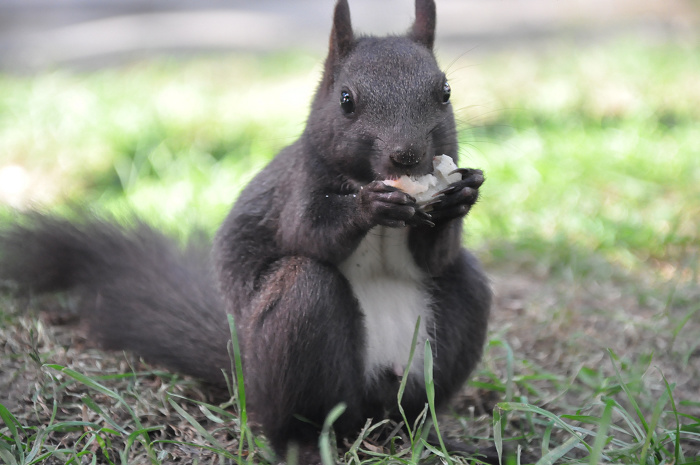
x: 588, y: 224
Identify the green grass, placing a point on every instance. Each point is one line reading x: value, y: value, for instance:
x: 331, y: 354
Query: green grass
x: 589, y: 222
x: 597, y: 148
x: 592, y: 147
x: 192, y: 133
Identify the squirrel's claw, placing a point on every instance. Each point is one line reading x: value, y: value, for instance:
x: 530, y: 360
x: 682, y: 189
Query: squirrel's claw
x: 449, y: 189
x: 464, y: 172
x: 423, y: 218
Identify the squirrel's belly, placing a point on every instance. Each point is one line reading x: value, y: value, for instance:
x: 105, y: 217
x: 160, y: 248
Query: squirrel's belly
x: 392, y: 294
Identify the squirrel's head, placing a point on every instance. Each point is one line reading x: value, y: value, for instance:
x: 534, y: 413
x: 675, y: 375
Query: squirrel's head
x: 383, y: 107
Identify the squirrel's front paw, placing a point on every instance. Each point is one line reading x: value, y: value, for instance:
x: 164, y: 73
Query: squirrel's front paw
x: 388, y: 206
x: 456, y: 199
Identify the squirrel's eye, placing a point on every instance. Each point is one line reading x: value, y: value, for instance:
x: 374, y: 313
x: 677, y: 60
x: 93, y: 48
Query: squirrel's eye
x: 346, y: 102
x: 446, y: 91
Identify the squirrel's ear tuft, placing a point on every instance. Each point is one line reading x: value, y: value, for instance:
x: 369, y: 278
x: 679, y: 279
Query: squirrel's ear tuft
x: 341, y: 42
x: 424, y: 26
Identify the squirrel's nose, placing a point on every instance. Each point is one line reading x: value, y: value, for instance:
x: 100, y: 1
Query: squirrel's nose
x: 407, y: 156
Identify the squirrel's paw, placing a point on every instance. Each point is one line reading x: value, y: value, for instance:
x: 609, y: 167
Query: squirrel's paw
x: 388, y: 206
x: 456, y: 200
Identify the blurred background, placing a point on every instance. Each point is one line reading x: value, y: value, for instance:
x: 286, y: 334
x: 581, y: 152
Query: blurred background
x: 584, y: 115
x: 35, y: 34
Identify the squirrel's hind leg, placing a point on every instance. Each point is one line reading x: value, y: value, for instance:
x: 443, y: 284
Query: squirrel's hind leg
x: 462, y: 301
x: 303, y: 353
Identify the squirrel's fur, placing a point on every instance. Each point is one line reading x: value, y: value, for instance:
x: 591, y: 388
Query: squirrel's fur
x: 325, y: 268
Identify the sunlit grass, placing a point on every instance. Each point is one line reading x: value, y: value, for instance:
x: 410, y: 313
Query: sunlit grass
x: 173, y: 141
x: 596, y: 148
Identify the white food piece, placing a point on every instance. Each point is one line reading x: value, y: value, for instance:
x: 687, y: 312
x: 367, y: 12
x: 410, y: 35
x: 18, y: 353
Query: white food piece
x: 424, y: 187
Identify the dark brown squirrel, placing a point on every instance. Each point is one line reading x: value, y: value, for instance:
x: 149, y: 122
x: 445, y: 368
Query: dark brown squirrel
x: 325, y: 268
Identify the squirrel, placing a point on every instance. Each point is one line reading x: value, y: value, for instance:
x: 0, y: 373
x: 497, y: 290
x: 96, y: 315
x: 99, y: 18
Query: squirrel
x: 325, y: 268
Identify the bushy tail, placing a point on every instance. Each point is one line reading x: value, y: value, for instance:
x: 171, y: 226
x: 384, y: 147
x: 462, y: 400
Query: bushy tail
x: 139, y: 291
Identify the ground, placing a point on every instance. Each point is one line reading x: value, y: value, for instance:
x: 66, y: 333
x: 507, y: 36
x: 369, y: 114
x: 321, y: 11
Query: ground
x: 560, y: 333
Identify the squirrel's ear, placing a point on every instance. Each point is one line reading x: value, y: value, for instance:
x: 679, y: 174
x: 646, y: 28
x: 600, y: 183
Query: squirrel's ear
x: 340, y: 44
x: 342, y: 36
x: 424, y: 26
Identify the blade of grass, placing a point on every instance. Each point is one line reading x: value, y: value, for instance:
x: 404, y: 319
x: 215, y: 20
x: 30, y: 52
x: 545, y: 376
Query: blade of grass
x: 7, y: 457
x: 14, y: 426
x: 630, y: 396
x: 446, y: 458
x: 358, y: 441
x: 601, y: 438
x: 404, y: 380
x: 546, y: 438
x: 677, y: 452
x: 324, y: 441
x: 510, y: 363
x: 498, y: 433
x: 430, y: 391
x: 558, y: 452
x: 651, y: 432
x: 516, y: 406
x: 222, y: 412
x: 246, y: 435
x: 87, y: 400
x: 135, y: 435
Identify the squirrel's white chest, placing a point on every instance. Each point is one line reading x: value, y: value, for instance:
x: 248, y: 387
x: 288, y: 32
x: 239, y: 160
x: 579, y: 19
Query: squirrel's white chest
x: 392, y: 294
